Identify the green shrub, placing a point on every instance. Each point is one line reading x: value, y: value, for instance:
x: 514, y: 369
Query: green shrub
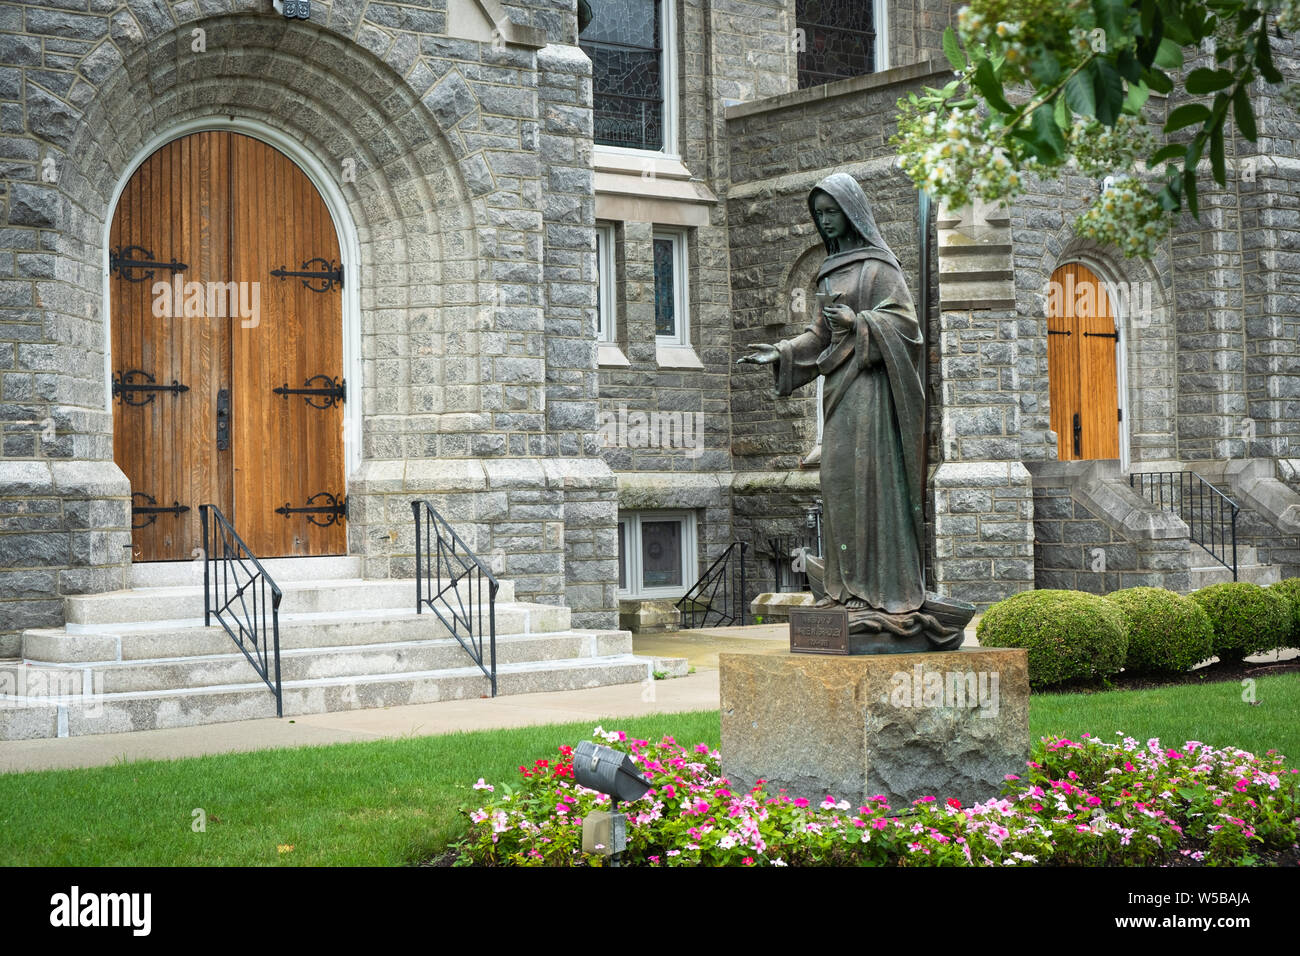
x: 1247, y: 619
x: 1290, y: 589
x: 1070, y: 635
x: 1167, y: 633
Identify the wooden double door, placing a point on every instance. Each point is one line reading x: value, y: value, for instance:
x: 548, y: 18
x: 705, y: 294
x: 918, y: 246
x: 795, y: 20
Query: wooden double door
x: 1082, y: 342
x: 228, y: 388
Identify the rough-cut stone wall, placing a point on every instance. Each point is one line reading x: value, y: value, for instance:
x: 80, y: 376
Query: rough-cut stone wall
x: 464, y: 167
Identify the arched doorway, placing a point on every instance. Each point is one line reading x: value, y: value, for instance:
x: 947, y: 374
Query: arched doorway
x: 1082, y: 348
x: 226, y: 338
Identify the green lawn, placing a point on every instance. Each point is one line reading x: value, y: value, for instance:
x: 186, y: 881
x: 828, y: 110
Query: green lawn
x: 395, y: 802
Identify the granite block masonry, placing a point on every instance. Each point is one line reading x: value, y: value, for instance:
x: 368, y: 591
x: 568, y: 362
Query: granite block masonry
x: 950, y: 724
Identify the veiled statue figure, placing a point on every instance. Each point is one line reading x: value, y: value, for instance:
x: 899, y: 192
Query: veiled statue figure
x: 866, y: 339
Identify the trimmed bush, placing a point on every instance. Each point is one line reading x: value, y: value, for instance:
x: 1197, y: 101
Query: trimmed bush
x: 1070, y: 635
x: 1167, y: 633
x: 1247, y: 619
x: 1290, y: 589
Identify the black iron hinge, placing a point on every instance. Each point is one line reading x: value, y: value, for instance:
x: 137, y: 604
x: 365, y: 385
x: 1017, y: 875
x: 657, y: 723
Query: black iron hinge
x: 152, y: 510
x: 328, y: 275
x: 330, y: 391
x: 120, y: 263
x: 125, y: 385
x: 333, y: 509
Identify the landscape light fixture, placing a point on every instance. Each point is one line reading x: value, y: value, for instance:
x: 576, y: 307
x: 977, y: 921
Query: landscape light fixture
x: 612, y: 773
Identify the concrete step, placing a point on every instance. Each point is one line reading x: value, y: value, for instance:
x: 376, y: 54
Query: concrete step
x: 176, y: 639
x: 104, y: 713
x: 301, y: 664
x: 172, y: 574
x: 300, y: 597
x: 1261, y: 574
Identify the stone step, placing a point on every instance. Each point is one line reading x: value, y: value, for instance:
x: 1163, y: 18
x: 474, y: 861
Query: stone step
x: 22, y: 718
x: 300, y: 597
x: 172, y: 574
x: 301, y: 664
x: 1261, y: 574
x: 176, y: 639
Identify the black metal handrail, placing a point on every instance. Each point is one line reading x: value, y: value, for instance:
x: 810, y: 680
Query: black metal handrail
x: 241, y: 597
x: 788, y: 573
x: 1211, y: 516
x: 437, y: 546
x: 718, y: 599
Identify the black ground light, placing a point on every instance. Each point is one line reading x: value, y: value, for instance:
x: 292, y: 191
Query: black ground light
x: 612, y: 773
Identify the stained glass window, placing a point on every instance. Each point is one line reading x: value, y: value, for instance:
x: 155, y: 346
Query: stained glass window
x: 665, y: 255
x: 625, y: 43
x: 838, y: 40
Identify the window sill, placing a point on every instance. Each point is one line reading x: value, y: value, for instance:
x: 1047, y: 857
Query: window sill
x: 676, y: 356
x: 610, y: 355
x: 649, y: 187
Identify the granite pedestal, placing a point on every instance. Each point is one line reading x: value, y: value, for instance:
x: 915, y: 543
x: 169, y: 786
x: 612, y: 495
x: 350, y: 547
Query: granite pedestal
x: 946, y: 724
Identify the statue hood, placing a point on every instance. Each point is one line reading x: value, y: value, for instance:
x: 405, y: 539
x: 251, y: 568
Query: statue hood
x: 844, y: 189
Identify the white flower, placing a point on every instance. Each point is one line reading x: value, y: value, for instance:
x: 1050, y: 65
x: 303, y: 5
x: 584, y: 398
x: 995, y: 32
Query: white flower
x: 484, y: 785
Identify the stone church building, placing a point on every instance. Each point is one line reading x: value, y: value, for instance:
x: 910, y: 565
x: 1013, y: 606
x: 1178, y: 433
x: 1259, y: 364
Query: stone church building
x: 309, y: 260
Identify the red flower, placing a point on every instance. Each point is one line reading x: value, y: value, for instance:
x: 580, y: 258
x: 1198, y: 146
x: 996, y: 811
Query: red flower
x: 954, y: 803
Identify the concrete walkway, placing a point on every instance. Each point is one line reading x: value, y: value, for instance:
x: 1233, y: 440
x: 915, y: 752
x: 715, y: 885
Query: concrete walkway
x: 697, y: 691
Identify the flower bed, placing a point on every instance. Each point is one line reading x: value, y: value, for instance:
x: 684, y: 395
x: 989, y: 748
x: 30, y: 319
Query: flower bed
x: 1078, y: 802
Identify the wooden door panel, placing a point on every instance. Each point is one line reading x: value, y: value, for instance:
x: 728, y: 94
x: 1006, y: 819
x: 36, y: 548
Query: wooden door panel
x: 173, y: 208
x: 289, y: 449
x: 1081, y: 354
x: 232, y: 209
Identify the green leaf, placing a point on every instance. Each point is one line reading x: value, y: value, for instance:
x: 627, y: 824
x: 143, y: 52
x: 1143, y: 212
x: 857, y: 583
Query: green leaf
x: 1044, y: 124
x: 1170, y: 55
x: 1079, y: 94
x: 1109, y: 89
x: 1158, y: 81
x: 1128, y: 66
x: 988, y: 85
x: 1264, y: 56
x: 1166, y: 153
x: 952, y: 50
x: 1202, y: 81
x: 1217, y: 164
x: 1189, y: 190
x: 1136, y: 98
x: 1186, y: 115
x: 1060, y: 113
x: 1244, y: 113
x: 1111, y: 15
x: 1046, y: 69
x: 1176, y: 28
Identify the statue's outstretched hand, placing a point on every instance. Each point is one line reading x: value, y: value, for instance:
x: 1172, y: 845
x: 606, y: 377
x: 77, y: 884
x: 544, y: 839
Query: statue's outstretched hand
x: 760, y: 354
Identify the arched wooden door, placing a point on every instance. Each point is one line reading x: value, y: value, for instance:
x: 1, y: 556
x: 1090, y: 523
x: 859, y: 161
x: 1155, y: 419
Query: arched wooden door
x: 1082, y: 339
x: 226, y: 310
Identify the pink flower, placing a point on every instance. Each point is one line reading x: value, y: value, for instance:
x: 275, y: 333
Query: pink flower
x: 800, y: 802
x: 748, y: 861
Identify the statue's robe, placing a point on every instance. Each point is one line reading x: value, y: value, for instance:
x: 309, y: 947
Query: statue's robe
x: 874, y: 428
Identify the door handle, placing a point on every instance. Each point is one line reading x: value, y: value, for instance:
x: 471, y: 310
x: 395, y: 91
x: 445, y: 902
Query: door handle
x: 223, y: 419
x: 1078, y: 437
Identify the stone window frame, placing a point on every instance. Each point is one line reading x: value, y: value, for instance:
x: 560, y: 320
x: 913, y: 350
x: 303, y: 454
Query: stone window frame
x: 671, y: 91
x: 629, y: 551
x: 681, y: 338
x: 606, y: 312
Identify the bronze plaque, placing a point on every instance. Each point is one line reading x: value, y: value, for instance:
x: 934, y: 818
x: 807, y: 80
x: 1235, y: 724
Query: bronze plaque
x: 819, y: 631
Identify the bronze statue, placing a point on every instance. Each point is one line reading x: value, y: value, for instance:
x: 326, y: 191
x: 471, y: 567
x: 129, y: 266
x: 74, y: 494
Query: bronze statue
x: 866, y: 339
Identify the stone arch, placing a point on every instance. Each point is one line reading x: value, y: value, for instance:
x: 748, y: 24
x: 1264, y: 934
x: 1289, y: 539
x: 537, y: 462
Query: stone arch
x: 407, y: 191
x: 1148, y: 371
